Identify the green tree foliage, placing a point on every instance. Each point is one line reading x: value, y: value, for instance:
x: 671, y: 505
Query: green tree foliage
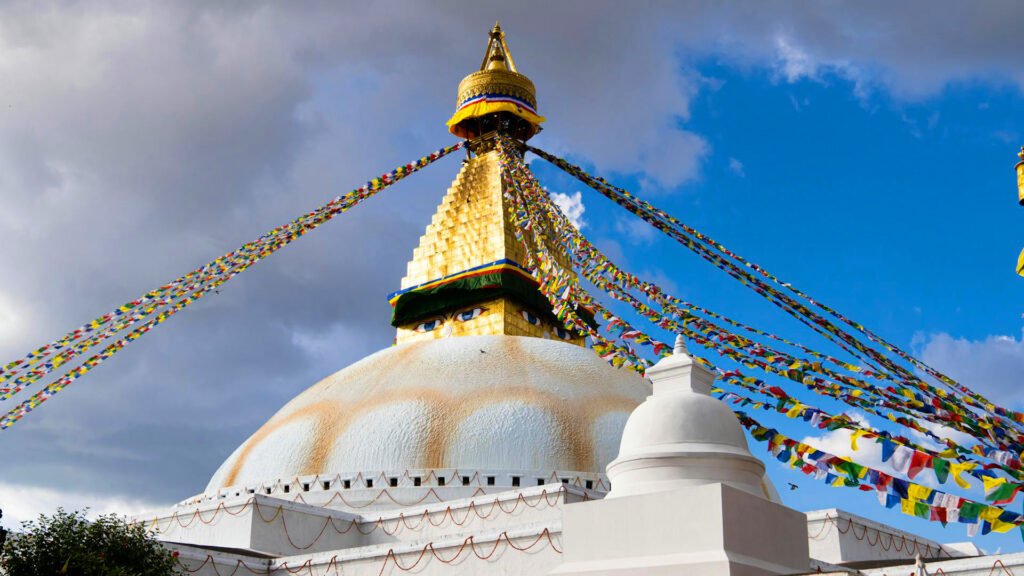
x: 67, y: 543
x: 3, y: 533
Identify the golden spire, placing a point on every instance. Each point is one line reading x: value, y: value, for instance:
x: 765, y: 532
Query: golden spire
x: 497, y: 56
x: 497, y: 91
x: 467, y: 277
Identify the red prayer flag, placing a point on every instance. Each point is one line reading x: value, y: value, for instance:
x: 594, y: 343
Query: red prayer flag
x: 919, y: 461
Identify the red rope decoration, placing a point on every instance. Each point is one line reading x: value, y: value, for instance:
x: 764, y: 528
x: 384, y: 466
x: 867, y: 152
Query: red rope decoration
x: 902, y: 545
x: 209, y: 560
x: 468, y: 542
x: 447, y: 515
x: 1003, y: 569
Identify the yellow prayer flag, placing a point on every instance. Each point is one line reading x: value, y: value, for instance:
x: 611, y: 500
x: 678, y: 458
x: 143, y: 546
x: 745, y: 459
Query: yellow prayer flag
x: 907, y: 506
x: 1000, y: 526
x: 957, y: 469
x: 1020, y: 263
x: 918, y: 492
x: 991, y: 514
x: 853, y: 438
x: 992, y: 483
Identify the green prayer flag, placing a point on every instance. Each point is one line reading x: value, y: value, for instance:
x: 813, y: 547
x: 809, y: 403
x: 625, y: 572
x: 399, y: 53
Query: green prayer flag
x: 922, y: 510
x: 1002, y: 493
x: 970, y: 510
x: 852, y: 469
x: 941, y: 469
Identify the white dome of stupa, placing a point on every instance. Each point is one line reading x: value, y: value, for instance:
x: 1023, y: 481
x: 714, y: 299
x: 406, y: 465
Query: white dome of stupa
x: 681, y: 436
x: 469, y: 403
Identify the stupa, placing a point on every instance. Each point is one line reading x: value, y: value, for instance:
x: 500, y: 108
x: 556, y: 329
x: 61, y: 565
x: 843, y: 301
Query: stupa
x: 483, y: 390
x: 469, y: 445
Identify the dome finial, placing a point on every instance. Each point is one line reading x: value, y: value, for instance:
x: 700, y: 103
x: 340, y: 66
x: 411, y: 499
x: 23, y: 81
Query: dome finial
x: 680, y: 347
x: 496, y: 97
x: 497, y: 56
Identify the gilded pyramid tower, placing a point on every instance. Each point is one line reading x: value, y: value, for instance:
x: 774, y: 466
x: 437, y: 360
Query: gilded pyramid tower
x: 468, y: 275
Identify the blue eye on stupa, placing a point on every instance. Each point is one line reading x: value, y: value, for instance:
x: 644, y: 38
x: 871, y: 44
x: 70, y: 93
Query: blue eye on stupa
x: 467, y: 315
x: 531, y: 317
x: 428, y: 326
x: 563, y: 333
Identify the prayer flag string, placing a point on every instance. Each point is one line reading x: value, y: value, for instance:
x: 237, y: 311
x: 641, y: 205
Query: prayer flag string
x: 911, y: 498
x: 175, y: 296
x: 999, y: 425
x: 853, y: 391
x: 535, y: 211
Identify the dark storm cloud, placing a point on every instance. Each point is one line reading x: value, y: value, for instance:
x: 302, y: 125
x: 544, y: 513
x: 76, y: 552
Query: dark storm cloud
x: 139, y: 140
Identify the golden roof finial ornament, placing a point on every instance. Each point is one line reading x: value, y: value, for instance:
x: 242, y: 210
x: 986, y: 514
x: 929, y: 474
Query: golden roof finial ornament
x: 1020, y: 176
x: 496, y: 97
x: 497, y: 56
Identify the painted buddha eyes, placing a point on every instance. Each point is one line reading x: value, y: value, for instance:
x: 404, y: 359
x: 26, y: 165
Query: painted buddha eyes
x: 530, y: 317
x: 429, y: 326
x: 467, y: 315
x: 535, y: 320
x: 463, y: 316
x: 474, y: 313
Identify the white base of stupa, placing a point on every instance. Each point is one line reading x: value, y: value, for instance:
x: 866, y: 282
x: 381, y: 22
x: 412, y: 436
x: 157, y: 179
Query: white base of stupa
x: 706, y: 530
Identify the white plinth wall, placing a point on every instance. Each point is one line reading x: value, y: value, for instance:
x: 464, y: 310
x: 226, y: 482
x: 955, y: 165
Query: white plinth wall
x: 707, y: 530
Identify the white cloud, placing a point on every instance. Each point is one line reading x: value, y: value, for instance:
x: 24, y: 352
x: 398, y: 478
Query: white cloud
x: 672, y: 158
x: 327, y: 343
x: 869, y: 452
x: 941, y: 431
x: 572, y: 206
x: 24, y: 503
x: 793, y: 62
x: 736, y: 167
x: 12, y: 319
x: 635, y: 231
x: 993, y: 366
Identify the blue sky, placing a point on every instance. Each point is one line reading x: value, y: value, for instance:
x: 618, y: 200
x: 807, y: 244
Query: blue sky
x: 862, y: 151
